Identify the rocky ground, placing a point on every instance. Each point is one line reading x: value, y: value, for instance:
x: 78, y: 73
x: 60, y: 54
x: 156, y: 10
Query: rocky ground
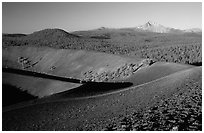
x: 180, y: 112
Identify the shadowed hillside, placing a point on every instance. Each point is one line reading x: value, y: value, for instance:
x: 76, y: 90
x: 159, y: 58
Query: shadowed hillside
x: 12, y: 95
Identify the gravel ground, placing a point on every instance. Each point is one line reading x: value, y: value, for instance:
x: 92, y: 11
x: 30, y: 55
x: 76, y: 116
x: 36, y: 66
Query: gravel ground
x: 180, y: 112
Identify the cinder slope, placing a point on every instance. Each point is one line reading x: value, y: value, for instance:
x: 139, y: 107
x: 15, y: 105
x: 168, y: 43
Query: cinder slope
x: 59, y: 62
x: 83, y: 65
x: 96, y: 113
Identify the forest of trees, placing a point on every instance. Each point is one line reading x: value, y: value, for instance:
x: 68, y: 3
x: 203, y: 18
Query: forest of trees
x: 186, y: 54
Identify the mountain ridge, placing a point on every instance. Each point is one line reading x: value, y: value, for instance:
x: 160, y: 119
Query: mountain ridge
x: 151, y: 26
x: 154, y: 27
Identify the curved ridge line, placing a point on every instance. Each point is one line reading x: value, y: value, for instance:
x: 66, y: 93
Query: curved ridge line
x: 122, y: 90
x: 96, y: 96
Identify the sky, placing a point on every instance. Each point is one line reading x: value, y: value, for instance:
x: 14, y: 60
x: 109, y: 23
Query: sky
x: 29, y: 17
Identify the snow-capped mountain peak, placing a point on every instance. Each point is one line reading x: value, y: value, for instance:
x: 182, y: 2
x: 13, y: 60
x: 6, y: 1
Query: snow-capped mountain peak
x: 151, y: 23
x: 153, y: 27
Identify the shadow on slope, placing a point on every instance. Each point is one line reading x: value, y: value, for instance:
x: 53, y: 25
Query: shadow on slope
x: 91, y: 89
x: 87, y: 89
x: 12, y: 95
x: 197, y: 63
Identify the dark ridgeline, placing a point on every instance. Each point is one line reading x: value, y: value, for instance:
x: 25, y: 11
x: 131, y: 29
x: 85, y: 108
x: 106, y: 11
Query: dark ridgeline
x: 13, y: 35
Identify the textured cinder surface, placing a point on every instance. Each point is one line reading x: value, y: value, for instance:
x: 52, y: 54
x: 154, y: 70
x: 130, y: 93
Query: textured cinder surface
x: 98, y: 113
x: 58, y: 62
x: 83, y: 65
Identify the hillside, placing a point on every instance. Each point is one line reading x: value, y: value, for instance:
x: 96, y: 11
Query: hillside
x: 87, y: 66
x: 49, y: 34
x: 82, y: 65
x: 111, y: 112
x: 46, y: 36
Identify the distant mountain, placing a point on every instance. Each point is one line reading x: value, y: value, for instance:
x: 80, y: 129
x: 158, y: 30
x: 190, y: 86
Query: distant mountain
x: 102, y: 28
x: 155, y: 27
x: 48, y: 37
x: 50, y: 34
x: 193, y: 30
x: 158, y: 28
x: 150, y: 26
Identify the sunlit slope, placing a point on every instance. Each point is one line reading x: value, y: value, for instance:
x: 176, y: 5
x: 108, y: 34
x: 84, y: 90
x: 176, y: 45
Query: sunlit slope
x: 83, y: 65
x: 59, y: 62
x: 143, y: 76
x: 156, y: 71
x: 37, y: 86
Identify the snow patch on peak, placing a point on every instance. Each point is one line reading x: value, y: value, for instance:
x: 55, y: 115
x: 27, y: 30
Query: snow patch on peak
x: 153, y: 27
x: 151, y: 23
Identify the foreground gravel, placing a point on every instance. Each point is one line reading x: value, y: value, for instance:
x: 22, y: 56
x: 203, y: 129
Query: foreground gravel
x: 180, y: 112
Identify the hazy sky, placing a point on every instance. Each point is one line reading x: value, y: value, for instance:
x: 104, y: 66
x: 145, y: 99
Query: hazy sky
x: 30, y: 17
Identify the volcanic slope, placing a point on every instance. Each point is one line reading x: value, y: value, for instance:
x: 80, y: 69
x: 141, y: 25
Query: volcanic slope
x: 98, y: 113
x: 82, y: 65
x: 64, y: 63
